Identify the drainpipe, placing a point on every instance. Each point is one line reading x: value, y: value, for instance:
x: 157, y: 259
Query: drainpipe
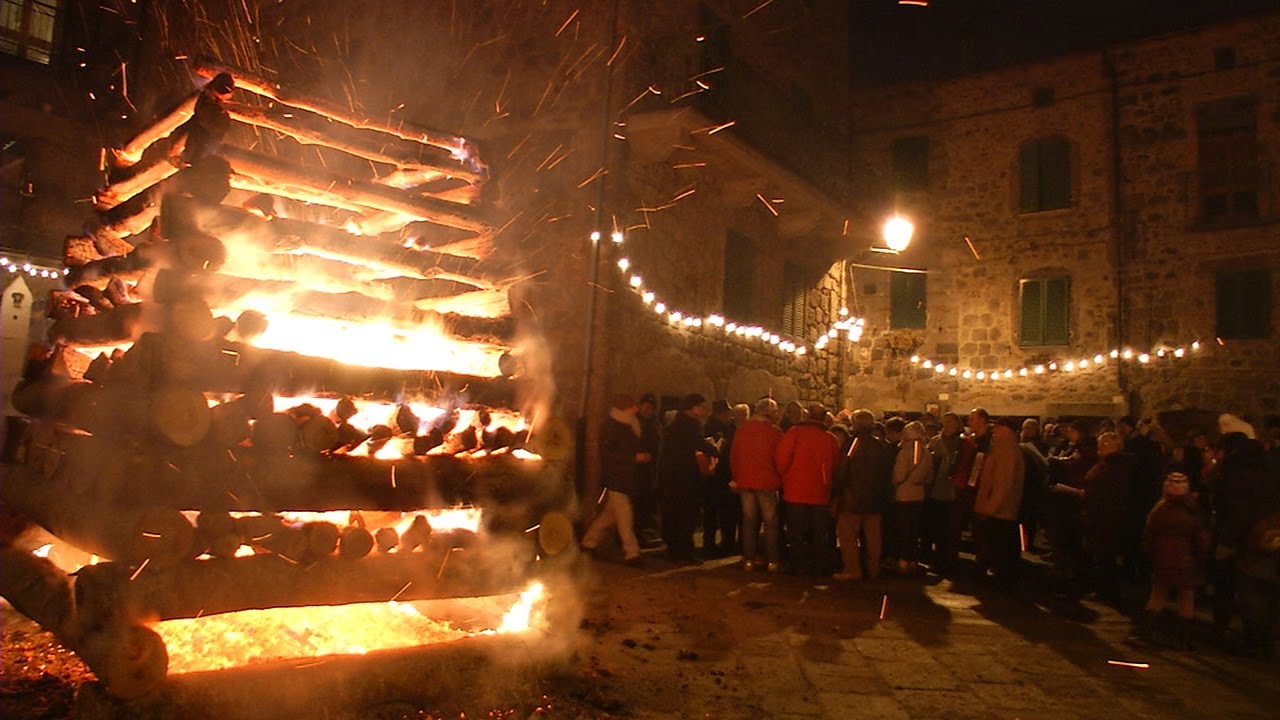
x: 588, y: 480
x: 1117, y: 218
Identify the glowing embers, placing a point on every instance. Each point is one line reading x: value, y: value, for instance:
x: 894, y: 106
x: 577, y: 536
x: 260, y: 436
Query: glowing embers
x: 375, y: 342
x: 250, y: 637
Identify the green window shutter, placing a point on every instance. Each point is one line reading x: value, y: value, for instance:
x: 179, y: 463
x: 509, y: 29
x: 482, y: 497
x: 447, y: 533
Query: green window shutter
x: 739, y: 277
x: 1031, y: 326
x: 1055, y: 174
x: 1243, y: 304
x: 1057, y: 311
x: 1029, y: 169
x: 910, y: 162
x: 907, y: 298
x: 795, y: 291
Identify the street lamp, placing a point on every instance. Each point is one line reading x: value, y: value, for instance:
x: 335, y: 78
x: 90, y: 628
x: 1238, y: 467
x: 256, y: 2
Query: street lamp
x: 897, y: 233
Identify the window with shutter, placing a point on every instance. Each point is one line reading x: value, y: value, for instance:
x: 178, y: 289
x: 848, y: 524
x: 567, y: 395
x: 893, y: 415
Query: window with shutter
x: 1044, y: 168
x: 1228, y: 160
x: 27, y: 28
x: 907, y: 293
x: 739, y: 276
x: 911, y: 163
x: 1045, y: 311
x: 794, y: 293
x: 1243, y: 303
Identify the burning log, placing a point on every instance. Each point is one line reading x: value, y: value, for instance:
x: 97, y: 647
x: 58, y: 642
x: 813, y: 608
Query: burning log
x: 99, y: 272
x: 122, y: 190
x: 64, y: 506
x: 272, y: 91
x: 130, y: 660
x: 121, y: 324
x: 278, y: 122
x: 159, y: 130
x: 199, y: 588
x: 357, y: 192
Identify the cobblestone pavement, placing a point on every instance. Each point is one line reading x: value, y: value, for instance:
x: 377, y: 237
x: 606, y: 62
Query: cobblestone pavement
x: 712, y: 641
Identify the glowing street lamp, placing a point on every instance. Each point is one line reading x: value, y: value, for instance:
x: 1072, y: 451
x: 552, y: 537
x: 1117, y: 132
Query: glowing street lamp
x: 897, y: 233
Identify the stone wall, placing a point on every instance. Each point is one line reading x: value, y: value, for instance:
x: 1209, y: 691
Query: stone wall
x: 975, y: 127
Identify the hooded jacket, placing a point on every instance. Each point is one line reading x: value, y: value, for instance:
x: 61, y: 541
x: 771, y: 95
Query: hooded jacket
x: 806, y: 459
x: 1000, y: 484
x: 913, y: 468
x: 752, y: 456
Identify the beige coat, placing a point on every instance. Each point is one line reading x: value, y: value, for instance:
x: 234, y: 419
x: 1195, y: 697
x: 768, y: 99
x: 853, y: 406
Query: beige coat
x: 1000, y: 484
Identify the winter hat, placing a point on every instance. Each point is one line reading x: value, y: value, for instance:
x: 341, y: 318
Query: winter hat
x: 623, y: 401
x: 1228, y: 423
x: 1177, y: 484
x: 648, y: 398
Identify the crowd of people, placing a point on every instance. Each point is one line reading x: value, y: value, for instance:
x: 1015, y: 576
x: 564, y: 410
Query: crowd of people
x: 847, y: 495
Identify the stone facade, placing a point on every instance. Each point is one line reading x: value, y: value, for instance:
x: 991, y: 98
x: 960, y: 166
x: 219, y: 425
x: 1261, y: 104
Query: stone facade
x: 1140, y: 259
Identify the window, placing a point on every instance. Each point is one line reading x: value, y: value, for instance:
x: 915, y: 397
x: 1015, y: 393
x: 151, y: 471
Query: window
x: 739, y: 276
x: 911, y: 163
x: 1046, y: 311
x: 794, y: 300
x: 26, y: 28
x: 1243, y: 304
x: 1045, y: 171
x: 906, y: 300
x: 1228, y: 167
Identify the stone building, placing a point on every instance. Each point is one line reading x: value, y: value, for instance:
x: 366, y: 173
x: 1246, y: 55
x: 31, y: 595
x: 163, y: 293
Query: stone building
x: 1123, y: 200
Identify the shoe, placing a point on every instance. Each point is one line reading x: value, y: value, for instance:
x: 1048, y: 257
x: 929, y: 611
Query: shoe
x: 775, y: 567
x: 845, y: 577
x: 635, y: 562
x: 748, y: 566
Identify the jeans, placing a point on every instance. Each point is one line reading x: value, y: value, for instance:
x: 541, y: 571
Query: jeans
x: 759, y: 506
x: 856, y: 530
x: 617, y: 511
x: 809, y: 538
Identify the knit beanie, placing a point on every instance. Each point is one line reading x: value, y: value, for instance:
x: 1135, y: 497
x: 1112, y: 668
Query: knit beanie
x: 1176, y: 484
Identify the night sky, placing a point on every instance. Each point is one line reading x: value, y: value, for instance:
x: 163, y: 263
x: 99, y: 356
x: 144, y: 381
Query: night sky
x: 891, y: 42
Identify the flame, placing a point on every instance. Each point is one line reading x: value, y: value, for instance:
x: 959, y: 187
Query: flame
x: 250, y: 637
x: 521, y: 616
x: 375, y: 342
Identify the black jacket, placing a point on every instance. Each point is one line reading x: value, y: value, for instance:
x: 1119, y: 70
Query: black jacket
x: 863, y: 481
x: 618, y: 447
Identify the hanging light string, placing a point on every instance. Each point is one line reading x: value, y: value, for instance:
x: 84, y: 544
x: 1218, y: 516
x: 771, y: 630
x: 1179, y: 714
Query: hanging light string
x: 1162, y: 353
x: 714, y: 322
x: 13, y: 267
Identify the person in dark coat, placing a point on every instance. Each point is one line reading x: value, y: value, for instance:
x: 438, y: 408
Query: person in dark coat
x: 680, y: 478
x: 646, y: 497
x: 1106, y: 507
x: 1242, y: 490
x: 620, y: 450
x: 1067, y: 471
x: 860, y: 496
x: 1176, y: 541
x: 719, y: 504
x: 1145, y: 458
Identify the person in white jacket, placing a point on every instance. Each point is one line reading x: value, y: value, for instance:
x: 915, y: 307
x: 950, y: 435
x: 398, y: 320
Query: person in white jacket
x: 912, y: 474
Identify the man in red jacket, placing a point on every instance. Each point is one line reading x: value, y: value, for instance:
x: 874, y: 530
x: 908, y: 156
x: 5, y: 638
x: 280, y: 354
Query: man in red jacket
x: 806, y: 458
x: 756, y: 479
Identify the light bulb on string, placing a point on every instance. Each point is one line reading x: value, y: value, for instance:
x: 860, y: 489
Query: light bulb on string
x: 939, y: 368
x: 1022, y: 372
x: 616, y: 237
x: 1179, y: 353
x: 636, y: 281
x: 1097, y: 359
x: 660, y: 308
x: 647, y: 297
x: 624, y: 264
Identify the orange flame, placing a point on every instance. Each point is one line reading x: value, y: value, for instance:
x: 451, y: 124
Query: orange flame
x: 251, y: 637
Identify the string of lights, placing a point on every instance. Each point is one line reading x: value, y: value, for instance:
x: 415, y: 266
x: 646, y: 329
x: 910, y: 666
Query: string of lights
x: 714, y: 322
x: 34, y: 270
x: 1162, y: 353
x: 851, y: 328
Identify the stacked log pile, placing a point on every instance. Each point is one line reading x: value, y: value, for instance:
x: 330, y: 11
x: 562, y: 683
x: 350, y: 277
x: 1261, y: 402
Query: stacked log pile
x: 169, y: 455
